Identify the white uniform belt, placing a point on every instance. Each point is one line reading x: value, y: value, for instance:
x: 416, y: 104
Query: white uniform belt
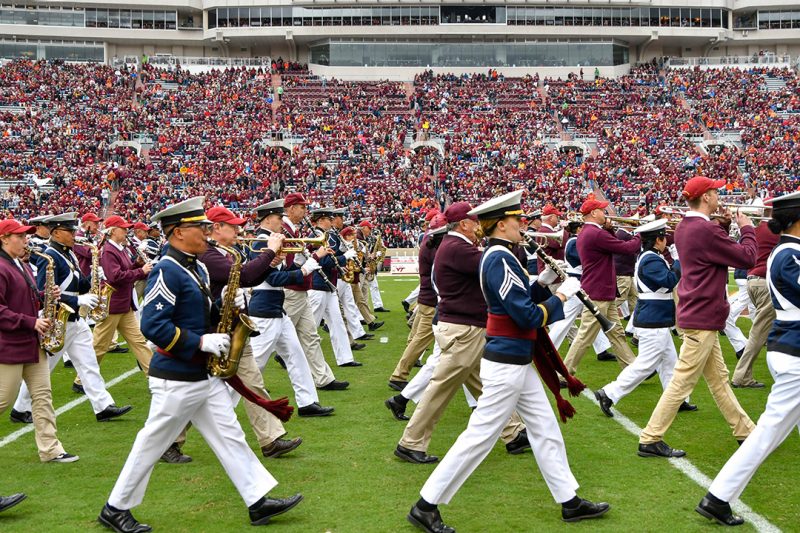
x: 70, y: 293
x: 255, y: 289
x: 787, y: 314
x: 655, y: 296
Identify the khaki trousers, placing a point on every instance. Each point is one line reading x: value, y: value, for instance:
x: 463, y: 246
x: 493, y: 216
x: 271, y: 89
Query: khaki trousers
x: 266, y: 426
x: 420, y: 338
x: 297, y: 307
x: 589, y: 329
x: 762, y: 323
x: 627, y: 292
x: 361, y: 296
x: 700, y: 355
x: 462, y: 347
x: 37, y: 377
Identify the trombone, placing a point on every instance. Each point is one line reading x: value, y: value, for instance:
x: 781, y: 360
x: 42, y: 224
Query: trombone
x: 301, y: 243
x: 542, y: 238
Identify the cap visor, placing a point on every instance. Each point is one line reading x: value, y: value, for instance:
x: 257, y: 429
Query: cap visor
x: 716, y: 184
x: 236, y: 221
x: 24, y: 229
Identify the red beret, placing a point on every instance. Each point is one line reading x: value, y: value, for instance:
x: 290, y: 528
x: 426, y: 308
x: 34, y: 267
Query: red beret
x: 459, y: 211
x: 698, y: 185
x: 294, y: 198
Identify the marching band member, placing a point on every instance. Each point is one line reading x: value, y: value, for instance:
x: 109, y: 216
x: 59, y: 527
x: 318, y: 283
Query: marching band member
x: 39, y: 240
x: 296, y: 302
x: 782, y: 412
x: 21, y: 357
x: 706, y: 252
x: 78, y: 340
x: 275, y: 328
x: 178, y: 313
x: 654, y: 317
x: 550, y: 224
x: 218, y: 262
x: 460, y: 332
x: 361, y: 292
x: 90, y: 224
x: 350, y: 312
x: 322, y: 299
x: 509, y: 380
x: 375, y: 251
x: 411, y: 299
x: 596, y: 247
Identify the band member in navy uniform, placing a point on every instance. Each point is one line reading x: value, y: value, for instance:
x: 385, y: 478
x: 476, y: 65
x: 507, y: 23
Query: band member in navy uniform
x: 513, y: 333
x: 782, y: 412
x: 178, y: 313
x: 78, y: 341
x: 654, y: 316
x: 38, y: 240
x: 276, y: 331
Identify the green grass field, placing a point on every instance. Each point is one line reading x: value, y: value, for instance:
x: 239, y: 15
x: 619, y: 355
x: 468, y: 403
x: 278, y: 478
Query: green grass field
x: 352, y: 482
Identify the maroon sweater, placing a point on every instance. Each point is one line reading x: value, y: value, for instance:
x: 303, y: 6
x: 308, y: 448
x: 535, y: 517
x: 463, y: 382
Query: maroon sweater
x: 427, y: 296
x: 121, y: 274
x: 706, y: 252
x: 596, y: 248
x: 766, y: 242
x: 19, y: 307
x: 456, y: 275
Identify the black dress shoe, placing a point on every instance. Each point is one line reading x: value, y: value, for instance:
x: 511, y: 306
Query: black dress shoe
x: 375, y: 325
x: 635, y: 341
x: 605, y: 402
x: 279, y: 447
x: 686, y: 406
x: 584, y: 510
x: 381, y: 310
x: 739, y: 354
x: 606, y: 356
x: 398, y: 410
x: 352, y: 363
x: 365, y: 337
x: 659, y: 449
x: 175, y: 456
x: 314, y: 409
x: 406, y: 307
x: 397, y: 385
x: 121, y: 521
x: 7, y: 502
x: 335, y: 385
x: 414, y: 456
x: 78, y: 389
x: 118, y: 349
x: 112, y: 411
x: 752, y: 385
x: 417, y: 364
x: 270, y: 507
x: 69, y: 364
x: 357, y: 346
x: 430, y: 521
x: 17, y: 417
x: 520, y: 444
x: 720, y: 512
x: 326, y: 328
x: 280, y: 361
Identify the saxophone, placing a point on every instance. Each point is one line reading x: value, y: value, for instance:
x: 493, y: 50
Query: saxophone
x: 227, y: 365
x: 99, y: 288
x: 57, y: 311
x: 372, y: 263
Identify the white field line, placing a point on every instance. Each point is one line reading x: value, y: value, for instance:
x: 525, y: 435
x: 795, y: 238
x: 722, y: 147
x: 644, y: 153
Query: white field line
x: 692, y: 472
x: 8, y: 439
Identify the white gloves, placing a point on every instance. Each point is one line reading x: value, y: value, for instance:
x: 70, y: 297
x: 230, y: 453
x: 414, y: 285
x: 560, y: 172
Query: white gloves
x: 300, y: 259
x: 547, y: 276
x: 673, y: 252
x: 570, y: 287
x: 215, y: 343
x: 238, y: 300
x: 89, y: 300
x: 350, y: 254
x: 142, y: 247
x: 310, y: 266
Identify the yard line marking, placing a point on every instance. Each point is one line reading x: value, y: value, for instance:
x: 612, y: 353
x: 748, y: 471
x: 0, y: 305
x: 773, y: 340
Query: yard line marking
x: 8, y: 439
x: 692, y: 472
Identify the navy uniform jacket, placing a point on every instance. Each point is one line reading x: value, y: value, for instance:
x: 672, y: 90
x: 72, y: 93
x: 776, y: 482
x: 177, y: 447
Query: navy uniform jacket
x: 68, y: 276
x: 267, y: 298
x: 328, y: 265
x: 176, y: 311
x: 655, y: 280
x: 573, y: 260
x: 783, y: 273
x: 40, y: 245
x: 514, y: 316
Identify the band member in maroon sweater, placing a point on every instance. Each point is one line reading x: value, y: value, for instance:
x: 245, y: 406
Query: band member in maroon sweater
x: 706, y: 252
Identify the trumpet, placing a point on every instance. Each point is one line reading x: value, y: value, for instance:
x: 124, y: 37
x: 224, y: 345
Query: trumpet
x: 301, y: 243
x: 680, y: 211
x: 747, y: 209
x: 543, y: 237
x: 630, y: 221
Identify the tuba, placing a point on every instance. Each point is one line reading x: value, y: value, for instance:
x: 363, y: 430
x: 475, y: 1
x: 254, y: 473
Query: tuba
x: 239, y: 330
x: 57, y: 311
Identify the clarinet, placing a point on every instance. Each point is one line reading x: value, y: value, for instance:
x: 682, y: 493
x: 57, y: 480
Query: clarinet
x: 321, y: 273
x: 605, y: 323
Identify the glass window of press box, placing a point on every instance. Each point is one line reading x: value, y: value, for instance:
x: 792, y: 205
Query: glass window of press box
x: 67, y: 51
x: 425, y: 54
x: 778, y: 20
x: 131, y: 19
x: 618, y: 16
x: 42, y: 16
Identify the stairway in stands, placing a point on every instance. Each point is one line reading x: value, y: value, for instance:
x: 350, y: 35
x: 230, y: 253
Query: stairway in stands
x: 774, y: 84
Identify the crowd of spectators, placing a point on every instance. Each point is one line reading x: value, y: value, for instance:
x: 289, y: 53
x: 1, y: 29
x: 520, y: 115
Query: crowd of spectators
x: 243, y: 136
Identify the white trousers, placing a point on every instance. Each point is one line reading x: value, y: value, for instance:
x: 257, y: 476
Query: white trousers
x: 411, y: 299
x: 352, y: 316
x: 780, y: 417
x: 656, y: 354
x: 558, y: 330
x: 413, y: 391
x: 279, y: 335
x: 326, y: 305
x: 78, y: 341
x: 738, y: 302
x: 505, y: 388
x: 207, y: 405
x: 375, y: 292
